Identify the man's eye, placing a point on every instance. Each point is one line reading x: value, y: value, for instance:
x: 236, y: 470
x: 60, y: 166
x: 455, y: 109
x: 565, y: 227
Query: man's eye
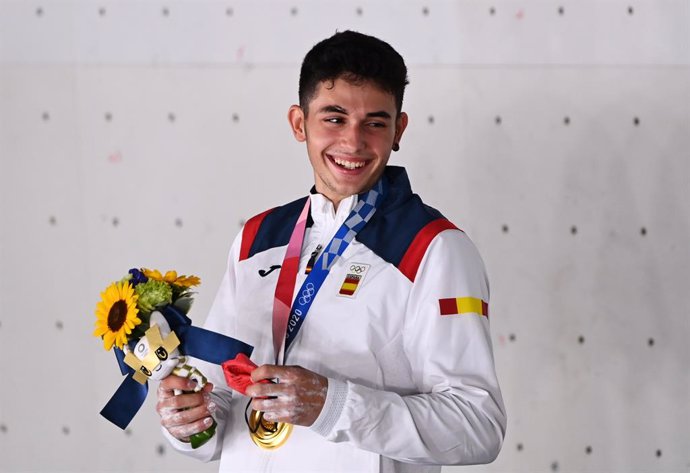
x: 377, y: 125
x: 334, y: 120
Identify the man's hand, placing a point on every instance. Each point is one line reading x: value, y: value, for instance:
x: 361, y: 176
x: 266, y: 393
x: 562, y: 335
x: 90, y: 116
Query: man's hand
x: 297, y: 397
x: 186, y: 414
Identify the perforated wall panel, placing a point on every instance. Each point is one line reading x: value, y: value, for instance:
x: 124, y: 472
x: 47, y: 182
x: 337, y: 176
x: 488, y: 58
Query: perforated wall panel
x: 556, y: 134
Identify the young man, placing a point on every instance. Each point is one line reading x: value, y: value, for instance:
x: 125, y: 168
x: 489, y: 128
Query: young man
x: 381, y: 302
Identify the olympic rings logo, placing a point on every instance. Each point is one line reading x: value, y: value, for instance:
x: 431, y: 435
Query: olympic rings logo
x: 307, y: 294
x: 357, y: 269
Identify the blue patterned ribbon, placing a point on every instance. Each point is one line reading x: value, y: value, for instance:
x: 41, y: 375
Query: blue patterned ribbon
x: 367, y: 204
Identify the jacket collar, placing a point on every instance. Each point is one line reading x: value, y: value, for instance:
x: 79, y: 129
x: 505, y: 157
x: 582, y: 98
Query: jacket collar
x: 398, y: 190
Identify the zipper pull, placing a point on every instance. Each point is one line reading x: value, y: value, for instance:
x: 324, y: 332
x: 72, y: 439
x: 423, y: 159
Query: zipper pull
x: 312, y: 259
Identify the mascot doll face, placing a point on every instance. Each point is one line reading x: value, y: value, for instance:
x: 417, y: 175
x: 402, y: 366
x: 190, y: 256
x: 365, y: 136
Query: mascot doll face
x: 167, y: 360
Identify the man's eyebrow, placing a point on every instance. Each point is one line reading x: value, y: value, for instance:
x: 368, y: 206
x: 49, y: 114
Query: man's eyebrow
x: 339, y: 109
x: 332, y: 109
x: 380, y: 114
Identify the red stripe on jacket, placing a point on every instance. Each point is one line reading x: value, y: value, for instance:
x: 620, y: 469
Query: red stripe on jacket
x: 251, y: 228
x: 415, y: 252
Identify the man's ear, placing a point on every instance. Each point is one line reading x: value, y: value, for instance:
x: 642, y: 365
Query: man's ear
x: 400, y: 125
x: 296, y: 119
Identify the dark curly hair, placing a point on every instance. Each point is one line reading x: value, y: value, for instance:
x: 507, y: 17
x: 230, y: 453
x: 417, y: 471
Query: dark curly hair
x: 354, y: 57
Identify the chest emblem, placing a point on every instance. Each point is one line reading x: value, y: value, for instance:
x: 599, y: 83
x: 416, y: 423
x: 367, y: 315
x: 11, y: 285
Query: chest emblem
x: 353, y: 278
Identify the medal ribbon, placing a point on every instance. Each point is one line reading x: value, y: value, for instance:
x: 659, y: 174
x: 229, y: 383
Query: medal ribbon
x: 286, y: 282
x: 288, y: 322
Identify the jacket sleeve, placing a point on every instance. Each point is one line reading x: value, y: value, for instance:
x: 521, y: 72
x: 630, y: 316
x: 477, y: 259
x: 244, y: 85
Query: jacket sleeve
x: 457, y: 416
x: 218, y: 321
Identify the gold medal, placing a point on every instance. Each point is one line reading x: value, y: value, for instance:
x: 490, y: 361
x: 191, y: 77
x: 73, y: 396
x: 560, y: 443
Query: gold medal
x: 266, y: 434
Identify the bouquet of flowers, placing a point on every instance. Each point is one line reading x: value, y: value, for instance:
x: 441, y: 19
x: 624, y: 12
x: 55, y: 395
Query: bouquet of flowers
x: 124, y: 312
x: 143, y: 318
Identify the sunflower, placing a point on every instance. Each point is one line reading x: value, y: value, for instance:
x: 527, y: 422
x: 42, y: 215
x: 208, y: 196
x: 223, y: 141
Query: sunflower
x: 116, y: 314
x: 171, y: 277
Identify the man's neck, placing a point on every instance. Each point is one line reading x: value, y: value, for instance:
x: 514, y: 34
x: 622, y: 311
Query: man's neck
x: 335, y: 199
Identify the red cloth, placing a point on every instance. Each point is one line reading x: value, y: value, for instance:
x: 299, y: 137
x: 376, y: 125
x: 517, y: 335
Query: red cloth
x: 237, y: 373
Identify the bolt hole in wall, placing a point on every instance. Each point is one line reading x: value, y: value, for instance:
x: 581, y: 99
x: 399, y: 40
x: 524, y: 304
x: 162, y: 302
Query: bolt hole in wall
x: 555, y: 465
x: 561, y: 11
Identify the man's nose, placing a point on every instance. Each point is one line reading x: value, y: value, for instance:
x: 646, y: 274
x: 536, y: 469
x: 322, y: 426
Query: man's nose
x: 353, y: 138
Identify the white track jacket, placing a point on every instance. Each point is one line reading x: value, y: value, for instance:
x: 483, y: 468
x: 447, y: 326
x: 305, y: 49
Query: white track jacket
x: 400, y: 327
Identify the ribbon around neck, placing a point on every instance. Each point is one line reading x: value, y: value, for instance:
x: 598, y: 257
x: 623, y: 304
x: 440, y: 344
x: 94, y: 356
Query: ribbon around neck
x: 194, y: 341
x: 285, y: 286
x: 289, y: 315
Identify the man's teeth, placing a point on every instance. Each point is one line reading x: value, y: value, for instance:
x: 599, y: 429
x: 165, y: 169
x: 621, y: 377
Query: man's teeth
x: 349, y: 164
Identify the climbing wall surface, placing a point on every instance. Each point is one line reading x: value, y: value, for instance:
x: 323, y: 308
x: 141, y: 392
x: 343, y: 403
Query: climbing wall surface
x: 555, y: 133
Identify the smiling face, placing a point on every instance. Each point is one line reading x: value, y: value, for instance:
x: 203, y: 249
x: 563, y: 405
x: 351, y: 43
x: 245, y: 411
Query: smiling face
x: 349, y: 129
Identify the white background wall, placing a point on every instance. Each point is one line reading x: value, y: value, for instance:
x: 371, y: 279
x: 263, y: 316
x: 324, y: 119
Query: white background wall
x: 556, y: 133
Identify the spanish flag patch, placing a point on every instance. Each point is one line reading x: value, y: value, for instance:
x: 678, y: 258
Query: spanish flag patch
x: 463, y: 305
x: 353, y: 279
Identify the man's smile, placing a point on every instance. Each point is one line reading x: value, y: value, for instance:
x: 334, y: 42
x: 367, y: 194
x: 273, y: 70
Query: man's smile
x: 345, y: 163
